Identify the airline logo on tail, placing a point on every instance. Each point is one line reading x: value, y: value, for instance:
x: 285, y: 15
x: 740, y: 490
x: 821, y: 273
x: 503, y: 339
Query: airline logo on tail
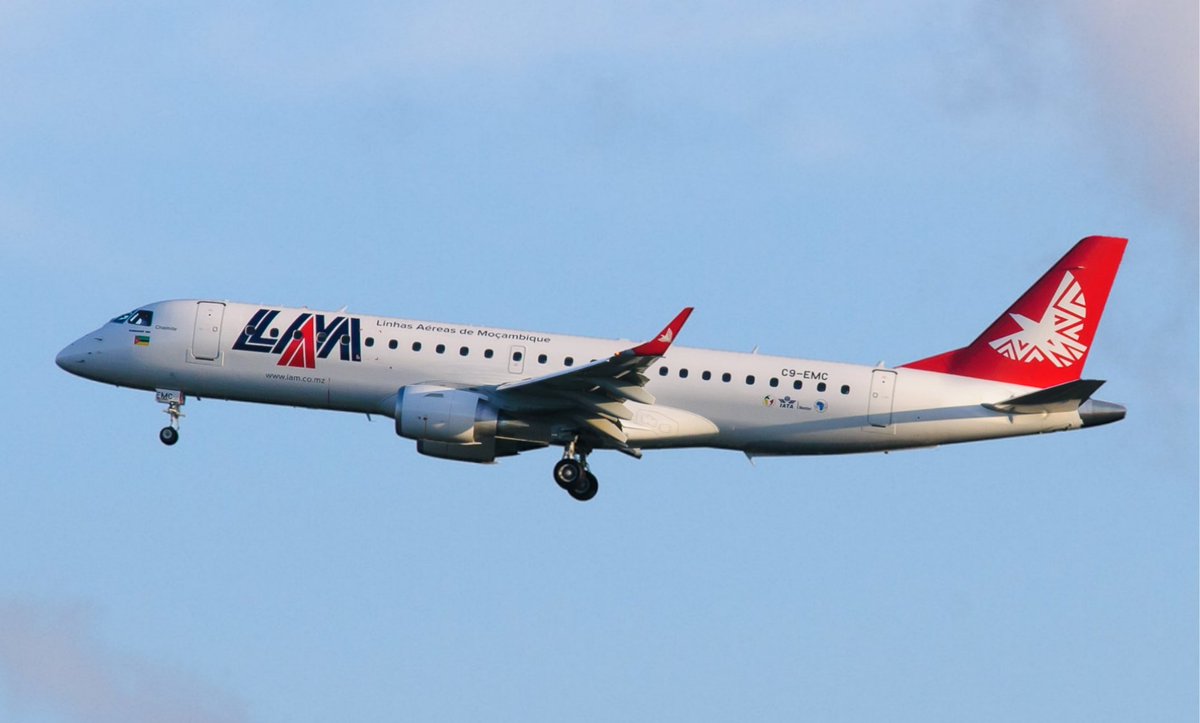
x: 1043, y: 339
x: 1056, y: 336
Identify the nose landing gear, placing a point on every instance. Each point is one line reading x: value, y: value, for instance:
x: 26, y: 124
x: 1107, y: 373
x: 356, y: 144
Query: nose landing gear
x: 572, y: 473
x: 169, y: 434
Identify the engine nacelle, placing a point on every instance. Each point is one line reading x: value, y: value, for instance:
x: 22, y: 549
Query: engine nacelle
x: 426, y: 412
x: 456, y: 424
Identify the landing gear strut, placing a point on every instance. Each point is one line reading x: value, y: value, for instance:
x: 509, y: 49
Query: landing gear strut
x: 572, y: 473
x: 169, y: 434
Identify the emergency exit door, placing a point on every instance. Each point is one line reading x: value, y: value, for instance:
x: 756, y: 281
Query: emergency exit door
x: 516, y: 360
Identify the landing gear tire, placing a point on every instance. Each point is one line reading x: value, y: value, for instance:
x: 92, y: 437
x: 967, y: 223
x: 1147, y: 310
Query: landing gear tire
x: 586, y: 488
x: 567, y: 473
x: 174, y: 400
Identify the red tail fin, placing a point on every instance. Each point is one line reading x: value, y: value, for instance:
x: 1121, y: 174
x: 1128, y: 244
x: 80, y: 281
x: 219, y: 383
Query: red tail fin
x: 1044, y: 338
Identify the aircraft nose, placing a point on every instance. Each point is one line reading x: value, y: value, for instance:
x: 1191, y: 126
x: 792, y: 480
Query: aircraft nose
x: 68, y: 357
x: 74, y: 356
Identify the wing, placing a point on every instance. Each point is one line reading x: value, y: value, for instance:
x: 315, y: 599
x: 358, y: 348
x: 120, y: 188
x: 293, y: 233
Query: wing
x: 592, y: 395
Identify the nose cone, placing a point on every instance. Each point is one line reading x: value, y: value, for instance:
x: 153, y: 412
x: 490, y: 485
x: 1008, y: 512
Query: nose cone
x: 69, y: 358
x: 81, y: 357
x: 1094, y: 412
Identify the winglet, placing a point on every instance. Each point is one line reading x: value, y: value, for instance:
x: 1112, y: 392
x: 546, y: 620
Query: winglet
x: 659, y: 345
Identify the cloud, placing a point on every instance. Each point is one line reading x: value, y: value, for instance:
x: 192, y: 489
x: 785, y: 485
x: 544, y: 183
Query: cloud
x: 325, y: 47
x: 51, y: 659
x: 1123, y: 75
x: 1143, y: 62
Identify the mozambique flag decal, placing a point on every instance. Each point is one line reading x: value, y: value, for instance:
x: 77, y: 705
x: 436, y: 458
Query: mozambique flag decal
x: 140, y: 340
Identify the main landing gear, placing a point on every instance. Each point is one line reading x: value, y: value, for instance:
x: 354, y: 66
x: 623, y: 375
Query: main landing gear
x: 169, y: 434
x: 572, y: 473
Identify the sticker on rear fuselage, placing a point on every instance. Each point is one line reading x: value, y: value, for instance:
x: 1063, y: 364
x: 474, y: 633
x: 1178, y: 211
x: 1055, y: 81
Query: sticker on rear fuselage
x: 786, y: 402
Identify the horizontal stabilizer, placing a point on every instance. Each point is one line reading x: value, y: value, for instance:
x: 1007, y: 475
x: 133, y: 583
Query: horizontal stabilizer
x: 1063, y: 398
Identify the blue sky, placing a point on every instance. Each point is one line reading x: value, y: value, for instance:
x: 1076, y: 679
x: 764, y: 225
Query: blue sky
x: 854, y: 181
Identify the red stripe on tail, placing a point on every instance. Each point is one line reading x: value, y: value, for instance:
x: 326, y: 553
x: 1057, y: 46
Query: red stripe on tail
x: 1044, y: 338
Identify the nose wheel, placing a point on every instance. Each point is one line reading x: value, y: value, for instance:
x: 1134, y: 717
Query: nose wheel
x: 572, y: 474
x: 169, y: 434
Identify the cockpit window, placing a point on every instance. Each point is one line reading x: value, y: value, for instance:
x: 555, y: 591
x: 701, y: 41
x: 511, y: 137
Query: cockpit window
x: 138, y: 317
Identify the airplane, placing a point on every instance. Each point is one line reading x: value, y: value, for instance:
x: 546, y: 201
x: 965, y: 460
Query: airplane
x: 478, y: 393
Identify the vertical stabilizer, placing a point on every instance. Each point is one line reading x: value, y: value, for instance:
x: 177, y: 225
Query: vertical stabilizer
x: 1044, y: 338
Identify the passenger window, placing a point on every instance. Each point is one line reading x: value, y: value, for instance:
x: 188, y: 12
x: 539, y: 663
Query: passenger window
x: 440, y: 348
x: 749, y: 378
x: 370, y: 341
x: 726, y: 377
x: 845, y: 389
x: 542, y: 358
x: 797, y: 384
x: 774, y: 382
x: 392, y: 344
x: 415, y: 347
x: 820, y: 386
x: 487, y: 353
x: 463, y: 351
x: 683, y: 373
x: 569, y: 361
x: 518, y: 356
x: 663, y: 371
x: 706, y: 376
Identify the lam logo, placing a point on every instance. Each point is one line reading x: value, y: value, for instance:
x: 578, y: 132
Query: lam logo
x: 307, y: 338
x: 1054, y: 337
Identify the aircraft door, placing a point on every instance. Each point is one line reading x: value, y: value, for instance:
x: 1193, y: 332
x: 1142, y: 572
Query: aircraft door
x: 206, y: 337
x: 516, y: 360
x: 879, y: 404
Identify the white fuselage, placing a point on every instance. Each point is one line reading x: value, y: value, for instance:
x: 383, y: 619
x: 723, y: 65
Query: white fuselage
x: 759, y: 404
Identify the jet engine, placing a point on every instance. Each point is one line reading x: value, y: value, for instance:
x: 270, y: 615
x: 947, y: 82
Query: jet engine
x: 457, y: 424
x: 446, y: 422
x: 442, y: 414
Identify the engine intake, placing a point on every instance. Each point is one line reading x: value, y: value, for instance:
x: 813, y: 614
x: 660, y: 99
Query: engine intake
x: 427, y: 412
x: 456, y: 424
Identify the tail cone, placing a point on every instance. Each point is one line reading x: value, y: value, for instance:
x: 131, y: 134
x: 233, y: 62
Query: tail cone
x: 1094, y: 412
